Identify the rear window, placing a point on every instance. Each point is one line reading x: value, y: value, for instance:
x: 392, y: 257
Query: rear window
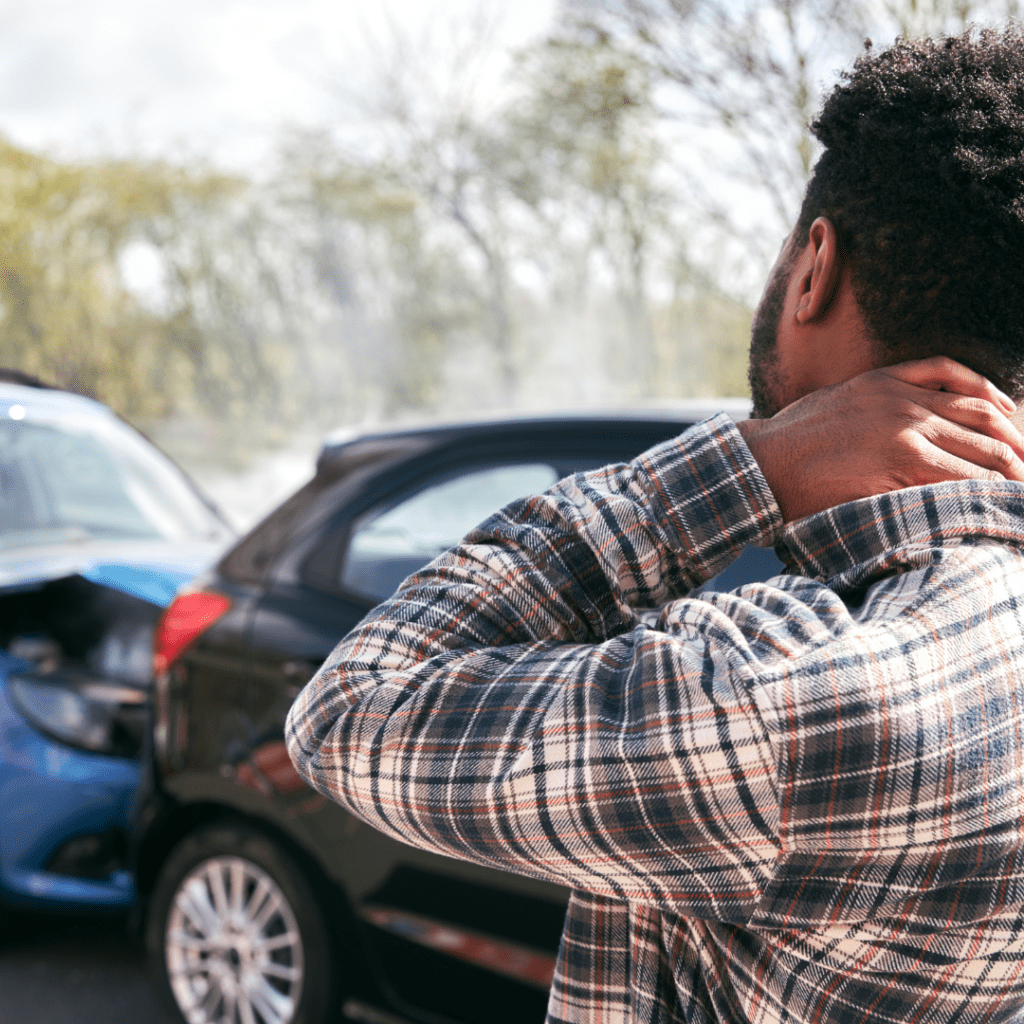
x: 393, y: 541
x: 92, y: 478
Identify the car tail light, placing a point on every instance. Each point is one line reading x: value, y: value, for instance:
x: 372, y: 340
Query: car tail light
x: 182, y: 622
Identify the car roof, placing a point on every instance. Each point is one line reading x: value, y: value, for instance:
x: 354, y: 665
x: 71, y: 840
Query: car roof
x: 688, y: 410
x: 50, y: 402
x: 346, y: 454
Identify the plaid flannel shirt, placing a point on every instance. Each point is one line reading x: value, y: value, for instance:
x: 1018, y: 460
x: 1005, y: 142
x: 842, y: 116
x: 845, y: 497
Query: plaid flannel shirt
x: 799, y: 801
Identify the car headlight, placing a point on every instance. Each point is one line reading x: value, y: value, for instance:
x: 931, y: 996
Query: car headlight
x: 83, y: 712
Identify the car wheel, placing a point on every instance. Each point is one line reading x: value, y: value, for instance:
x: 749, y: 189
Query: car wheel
x: 235, y: 933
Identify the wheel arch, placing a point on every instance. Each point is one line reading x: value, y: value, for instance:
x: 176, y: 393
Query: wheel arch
x: 181, y: 820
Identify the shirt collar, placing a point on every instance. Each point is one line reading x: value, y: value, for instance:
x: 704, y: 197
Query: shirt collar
x: 850, y: 544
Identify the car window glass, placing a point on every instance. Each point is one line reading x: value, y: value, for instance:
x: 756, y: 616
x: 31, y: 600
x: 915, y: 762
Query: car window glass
x: 77, y: 480
x: 754, y: 565
x: 391, y: 542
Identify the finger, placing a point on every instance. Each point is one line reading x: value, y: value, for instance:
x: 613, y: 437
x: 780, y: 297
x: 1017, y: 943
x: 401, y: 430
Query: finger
x: 940, y: 373
x: 971, y: 455
x: 974, y: 413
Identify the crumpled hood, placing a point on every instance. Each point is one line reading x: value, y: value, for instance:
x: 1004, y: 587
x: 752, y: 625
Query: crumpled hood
x: 150, y: 570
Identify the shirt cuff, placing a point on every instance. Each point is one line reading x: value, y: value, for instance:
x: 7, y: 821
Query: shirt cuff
x: 710, y: 495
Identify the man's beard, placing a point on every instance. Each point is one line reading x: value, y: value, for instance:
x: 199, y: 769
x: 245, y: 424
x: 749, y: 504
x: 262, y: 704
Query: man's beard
x: 763, y: 371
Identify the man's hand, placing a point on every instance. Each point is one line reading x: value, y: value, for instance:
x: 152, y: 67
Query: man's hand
x: 915, y: 423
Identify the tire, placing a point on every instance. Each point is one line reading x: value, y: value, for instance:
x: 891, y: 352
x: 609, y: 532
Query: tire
x: 264, y: 958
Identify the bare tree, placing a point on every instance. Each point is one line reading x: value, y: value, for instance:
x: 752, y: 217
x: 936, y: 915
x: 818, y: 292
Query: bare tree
x: 577, y: 147
x: 555, y: 175
x: 424, y: 101
x: 744, y: 77
x: 915, y: 18
x: 742, y: 81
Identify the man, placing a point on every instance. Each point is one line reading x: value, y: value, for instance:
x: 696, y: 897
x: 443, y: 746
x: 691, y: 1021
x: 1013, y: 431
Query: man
x: 804, y: 800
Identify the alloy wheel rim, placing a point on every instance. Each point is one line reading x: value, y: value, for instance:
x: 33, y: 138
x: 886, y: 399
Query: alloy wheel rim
x: 233, y: 948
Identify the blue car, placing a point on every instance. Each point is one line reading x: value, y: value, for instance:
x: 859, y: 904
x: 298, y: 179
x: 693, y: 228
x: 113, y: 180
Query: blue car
x: 98, y: 530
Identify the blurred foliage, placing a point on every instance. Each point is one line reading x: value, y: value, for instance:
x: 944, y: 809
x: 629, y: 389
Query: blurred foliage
x: 587, y: 232
x: 65, y: 313
x: 524, y: 245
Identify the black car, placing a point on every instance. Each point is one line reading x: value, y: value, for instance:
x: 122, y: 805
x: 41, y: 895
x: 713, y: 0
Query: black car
x: 266, y: 902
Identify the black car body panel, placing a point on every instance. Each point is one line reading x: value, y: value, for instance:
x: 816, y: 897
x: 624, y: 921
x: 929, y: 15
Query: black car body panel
x: 437, y: 939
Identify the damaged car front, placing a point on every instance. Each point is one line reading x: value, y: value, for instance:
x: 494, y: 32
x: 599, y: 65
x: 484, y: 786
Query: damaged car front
x: 98, y: 530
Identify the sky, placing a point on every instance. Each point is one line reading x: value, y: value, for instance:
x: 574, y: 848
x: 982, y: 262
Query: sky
x: 213, y: 78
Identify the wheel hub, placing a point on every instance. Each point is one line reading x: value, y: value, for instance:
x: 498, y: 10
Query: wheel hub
x: 233, y: 948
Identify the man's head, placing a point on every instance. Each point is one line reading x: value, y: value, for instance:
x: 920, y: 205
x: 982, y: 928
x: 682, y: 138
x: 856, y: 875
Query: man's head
x: 920, y: 189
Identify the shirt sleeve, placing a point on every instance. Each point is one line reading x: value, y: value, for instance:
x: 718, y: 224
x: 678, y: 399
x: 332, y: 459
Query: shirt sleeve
x: 507, y: 707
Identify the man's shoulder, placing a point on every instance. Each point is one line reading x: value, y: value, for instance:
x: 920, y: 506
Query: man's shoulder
x: 918, y: 623
x: 874, y: 617
x: 848, y: 545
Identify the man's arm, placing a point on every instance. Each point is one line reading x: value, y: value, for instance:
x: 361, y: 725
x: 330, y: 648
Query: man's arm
x: 502, y: 708
x: 499, y: 707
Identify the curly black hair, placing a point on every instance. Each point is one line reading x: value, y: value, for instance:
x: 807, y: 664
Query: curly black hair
x: 923, y: 177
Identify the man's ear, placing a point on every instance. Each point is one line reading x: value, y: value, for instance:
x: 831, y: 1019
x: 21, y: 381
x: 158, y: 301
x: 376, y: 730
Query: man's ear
x: 819, y: 269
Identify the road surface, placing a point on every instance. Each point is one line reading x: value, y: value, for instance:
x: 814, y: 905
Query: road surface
x: 56, y: 970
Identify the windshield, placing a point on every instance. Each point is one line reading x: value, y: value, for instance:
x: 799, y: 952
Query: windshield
x: 89, y: 478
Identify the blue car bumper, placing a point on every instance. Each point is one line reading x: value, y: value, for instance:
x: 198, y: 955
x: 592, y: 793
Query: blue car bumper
x: 51, y: 794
